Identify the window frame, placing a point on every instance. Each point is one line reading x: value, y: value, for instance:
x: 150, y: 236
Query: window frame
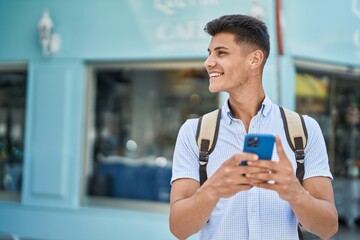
x: 15, y: 67
x: 89, y: 136
x: 333, y: 71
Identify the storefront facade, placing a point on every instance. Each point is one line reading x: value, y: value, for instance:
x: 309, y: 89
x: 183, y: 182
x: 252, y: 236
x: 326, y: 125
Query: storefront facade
x: 104, y: 99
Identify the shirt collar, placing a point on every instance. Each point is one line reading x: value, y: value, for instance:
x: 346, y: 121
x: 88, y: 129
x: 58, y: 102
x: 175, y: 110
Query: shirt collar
x: 229, y: 117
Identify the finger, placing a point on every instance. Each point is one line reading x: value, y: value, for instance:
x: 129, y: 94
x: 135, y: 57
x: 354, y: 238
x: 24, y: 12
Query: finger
x: 263, y: 181
x: 265, y: 175
x: 250, y: 181
x: 255, y: 169
x: 264, y: 163
x: 239, y: 179
x: 280, y: 149
x: 240, y: 157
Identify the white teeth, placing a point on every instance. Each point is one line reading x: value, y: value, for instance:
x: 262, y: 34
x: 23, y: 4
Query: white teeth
x: 215, y: 74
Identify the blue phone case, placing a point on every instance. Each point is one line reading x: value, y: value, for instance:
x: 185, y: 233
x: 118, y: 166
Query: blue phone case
x: 260, y: 144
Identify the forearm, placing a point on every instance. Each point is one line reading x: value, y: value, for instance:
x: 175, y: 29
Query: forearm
x: 188, y: 216
x: 316, y: 215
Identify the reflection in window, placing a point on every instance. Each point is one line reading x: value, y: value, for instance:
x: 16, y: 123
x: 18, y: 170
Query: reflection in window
x: 138, y: 114
x: 12, y: 116
x: 333, y: 99
x: 312, y: 93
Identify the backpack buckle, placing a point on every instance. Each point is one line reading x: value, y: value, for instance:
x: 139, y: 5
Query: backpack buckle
x: 300, y: 155
x: 203, y: 157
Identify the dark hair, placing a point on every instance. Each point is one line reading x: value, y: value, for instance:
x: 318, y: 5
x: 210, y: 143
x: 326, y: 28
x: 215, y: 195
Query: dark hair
x: 246, y: 29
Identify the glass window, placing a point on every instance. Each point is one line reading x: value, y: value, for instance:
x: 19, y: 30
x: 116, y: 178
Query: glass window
x: 333, y: 99
x: 12, y: 120
x: 137, y: 115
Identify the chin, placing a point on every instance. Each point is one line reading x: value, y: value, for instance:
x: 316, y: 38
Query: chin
x: 214, y: 90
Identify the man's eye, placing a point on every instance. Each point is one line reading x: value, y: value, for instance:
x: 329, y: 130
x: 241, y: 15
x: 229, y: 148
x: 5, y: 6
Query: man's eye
x: 221, y: 53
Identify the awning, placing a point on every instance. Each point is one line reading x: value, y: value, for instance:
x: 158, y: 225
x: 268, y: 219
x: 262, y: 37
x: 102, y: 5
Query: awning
x: 308, y: 85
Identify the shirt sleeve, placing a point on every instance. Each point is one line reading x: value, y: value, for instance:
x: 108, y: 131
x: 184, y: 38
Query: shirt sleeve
x: 316, y: 158
x: 185, y: 159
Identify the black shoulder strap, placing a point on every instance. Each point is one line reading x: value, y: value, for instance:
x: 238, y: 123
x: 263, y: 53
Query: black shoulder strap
x: 296, y: 135
x: 206, y: 136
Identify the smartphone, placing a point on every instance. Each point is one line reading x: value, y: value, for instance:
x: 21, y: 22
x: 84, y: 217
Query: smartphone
x: 260, y: 144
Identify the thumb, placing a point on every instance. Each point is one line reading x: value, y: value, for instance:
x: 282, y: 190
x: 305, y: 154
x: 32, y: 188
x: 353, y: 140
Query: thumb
x: 279, y: 148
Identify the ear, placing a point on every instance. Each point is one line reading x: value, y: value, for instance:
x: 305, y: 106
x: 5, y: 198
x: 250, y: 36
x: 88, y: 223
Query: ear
x: 256, y: 59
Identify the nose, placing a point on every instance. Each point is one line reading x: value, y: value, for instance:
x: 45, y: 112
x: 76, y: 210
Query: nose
x: 209, y: 62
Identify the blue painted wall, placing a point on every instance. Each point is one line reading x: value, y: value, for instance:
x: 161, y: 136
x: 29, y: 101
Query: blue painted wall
x: 323, y: 30
x: 113, y: 30
x: 108, y: 30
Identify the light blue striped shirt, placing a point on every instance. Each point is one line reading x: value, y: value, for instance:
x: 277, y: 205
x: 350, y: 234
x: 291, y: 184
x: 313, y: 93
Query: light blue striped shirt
x: 257, y: 213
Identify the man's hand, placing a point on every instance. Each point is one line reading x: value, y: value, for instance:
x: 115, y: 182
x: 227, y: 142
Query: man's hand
x: 277, y: 175
x: 231, y: 178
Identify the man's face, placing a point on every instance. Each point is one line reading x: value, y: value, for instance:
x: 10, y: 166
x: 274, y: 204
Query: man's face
x: 226, y: 64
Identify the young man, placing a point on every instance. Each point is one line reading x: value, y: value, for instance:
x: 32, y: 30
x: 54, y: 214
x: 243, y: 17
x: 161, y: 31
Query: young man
x: 239, y: 202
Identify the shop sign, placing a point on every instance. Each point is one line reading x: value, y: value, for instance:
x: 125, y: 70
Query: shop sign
x: 171, y: 7
x: 177, y: 26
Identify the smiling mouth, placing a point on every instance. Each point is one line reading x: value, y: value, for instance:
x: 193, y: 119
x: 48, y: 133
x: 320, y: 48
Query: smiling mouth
x: 216, y: 74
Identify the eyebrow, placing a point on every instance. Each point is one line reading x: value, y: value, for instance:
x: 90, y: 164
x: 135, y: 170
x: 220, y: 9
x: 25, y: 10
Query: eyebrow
x: 219, y: 48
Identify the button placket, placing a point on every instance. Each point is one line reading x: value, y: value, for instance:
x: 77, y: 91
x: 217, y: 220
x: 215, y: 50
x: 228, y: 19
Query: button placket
x: 253, y: 213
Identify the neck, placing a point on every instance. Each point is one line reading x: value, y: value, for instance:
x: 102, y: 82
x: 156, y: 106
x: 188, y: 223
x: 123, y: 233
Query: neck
x: 245, y: 105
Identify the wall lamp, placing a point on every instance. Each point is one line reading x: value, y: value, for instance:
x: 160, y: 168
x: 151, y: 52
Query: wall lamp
x: 49, y: 41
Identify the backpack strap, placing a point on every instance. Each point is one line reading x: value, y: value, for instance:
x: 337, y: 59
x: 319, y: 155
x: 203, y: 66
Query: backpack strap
x: 296, y: 135
x: 206, y: 136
